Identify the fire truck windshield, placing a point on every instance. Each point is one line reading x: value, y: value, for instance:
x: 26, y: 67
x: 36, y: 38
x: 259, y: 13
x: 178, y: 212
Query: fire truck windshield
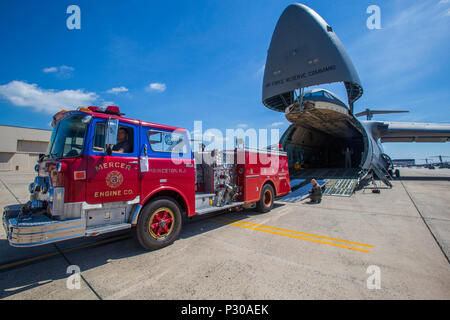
x: 68, y: 138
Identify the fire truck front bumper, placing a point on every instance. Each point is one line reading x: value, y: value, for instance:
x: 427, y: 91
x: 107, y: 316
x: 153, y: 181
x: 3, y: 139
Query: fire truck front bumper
x: 38, y: 229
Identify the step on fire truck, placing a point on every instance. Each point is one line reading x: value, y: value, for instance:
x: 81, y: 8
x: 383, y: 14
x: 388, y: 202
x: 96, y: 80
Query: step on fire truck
x: 90, y: 183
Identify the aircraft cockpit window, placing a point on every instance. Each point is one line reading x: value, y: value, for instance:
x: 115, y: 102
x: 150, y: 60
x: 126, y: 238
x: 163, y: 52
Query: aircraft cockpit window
x: 329, y: 96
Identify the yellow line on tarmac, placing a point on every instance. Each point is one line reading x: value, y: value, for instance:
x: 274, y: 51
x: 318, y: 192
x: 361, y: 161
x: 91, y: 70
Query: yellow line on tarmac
x: 302, y: 233
x: 15, y: 263
x: 239, y: 224
x: 48, y: 255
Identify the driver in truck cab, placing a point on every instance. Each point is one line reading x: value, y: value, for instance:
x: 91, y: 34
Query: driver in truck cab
x: 123, y: 145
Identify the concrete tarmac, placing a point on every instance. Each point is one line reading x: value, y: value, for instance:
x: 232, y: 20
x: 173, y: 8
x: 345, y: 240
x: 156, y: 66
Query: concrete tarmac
x: 332, y: 250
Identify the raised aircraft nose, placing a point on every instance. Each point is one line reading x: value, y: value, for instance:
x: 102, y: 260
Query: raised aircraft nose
x: 304, y: 51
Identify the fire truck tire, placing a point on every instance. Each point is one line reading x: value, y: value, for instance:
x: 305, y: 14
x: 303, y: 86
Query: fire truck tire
x: 159, y: 224
x: 265, y: 203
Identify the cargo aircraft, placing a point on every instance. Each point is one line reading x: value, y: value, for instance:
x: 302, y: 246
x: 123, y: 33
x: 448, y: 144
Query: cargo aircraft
x: 325, y: 139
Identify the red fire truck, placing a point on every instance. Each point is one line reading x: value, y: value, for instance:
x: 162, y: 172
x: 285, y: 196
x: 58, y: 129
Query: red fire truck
x: 104, y: 173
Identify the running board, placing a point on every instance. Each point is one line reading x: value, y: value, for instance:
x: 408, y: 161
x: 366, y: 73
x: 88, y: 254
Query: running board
x: 213, y: 209
x: 95, y: 231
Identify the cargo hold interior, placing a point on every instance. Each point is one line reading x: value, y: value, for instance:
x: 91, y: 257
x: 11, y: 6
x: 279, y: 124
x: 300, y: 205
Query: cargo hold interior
x: 317, y: 139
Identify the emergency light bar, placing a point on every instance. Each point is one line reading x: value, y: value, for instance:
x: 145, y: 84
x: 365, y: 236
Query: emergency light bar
x: 58, y: 116
x: 94, y: 109
x: 110, y: 110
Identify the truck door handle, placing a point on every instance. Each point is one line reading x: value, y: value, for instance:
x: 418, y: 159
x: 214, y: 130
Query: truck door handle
x: 132, y: 162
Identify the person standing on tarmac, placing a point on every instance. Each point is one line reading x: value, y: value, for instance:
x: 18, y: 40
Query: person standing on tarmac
x: 316, y: 192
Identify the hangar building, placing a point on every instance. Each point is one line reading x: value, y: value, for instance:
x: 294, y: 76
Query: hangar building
x: 404, y: 162
x: 20, y: 147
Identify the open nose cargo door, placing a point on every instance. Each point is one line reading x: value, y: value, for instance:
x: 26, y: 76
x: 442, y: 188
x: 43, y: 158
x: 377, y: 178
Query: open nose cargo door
x: 305, y: 51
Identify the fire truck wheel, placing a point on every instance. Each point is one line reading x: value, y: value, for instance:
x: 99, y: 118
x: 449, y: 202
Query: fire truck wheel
x: 159, y: 224
x: 265, y: 203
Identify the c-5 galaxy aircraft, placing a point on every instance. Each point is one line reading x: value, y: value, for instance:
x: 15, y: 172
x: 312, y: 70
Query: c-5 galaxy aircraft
x: 325, y: 139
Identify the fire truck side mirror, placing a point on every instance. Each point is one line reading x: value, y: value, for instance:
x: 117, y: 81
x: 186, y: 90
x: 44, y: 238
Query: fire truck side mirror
x: 111, y: 132
x: 144, y: 160
x: 108, y: 149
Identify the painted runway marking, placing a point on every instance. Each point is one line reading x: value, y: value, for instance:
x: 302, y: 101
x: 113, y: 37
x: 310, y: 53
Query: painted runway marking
x: 259, y: 227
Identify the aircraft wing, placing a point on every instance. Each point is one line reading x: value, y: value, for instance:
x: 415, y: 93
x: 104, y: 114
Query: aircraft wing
x: 410, y: 131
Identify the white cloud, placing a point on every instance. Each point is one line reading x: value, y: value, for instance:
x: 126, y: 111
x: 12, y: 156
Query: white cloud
x: 23, y: 94
x: 277, y: 124
x: 242, y: 125
x: 64, y: 72
x: 156, y: 86
x: 50, y: 69
x: 66, y: 68
x: 117, y: 90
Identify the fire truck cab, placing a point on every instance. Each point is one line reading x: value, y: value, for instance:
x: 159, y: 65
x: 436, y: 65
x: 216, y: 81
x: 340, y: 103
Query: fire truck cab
x: 105, y: 172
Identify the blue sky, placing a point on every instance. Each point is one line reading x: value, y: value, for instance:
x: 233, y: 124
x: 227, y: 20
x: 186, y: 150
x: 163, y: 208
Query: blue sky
x: 180, y: 61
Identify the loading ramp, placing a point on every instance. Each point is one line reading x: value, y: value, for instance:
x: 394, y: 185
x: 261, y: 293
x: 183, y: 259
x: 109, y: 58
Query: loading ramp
x: 302, y: 191
x: 339, y: 181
